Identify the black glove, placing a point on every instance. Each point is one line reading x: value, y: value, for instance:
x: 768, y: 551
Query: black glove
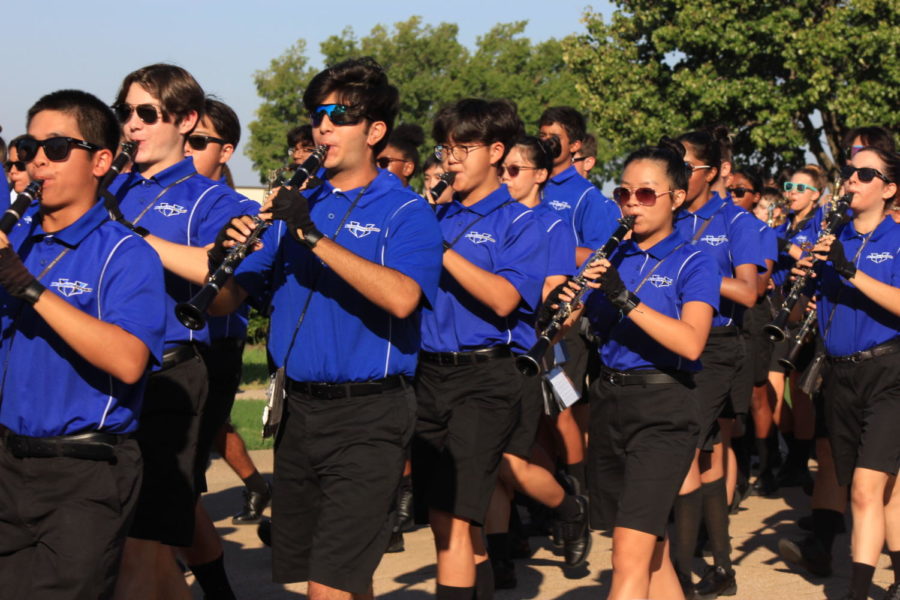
x: 546, y: 311
x: 291, y: 207
x: 16, y: 279
x: 615, y: 291
x: 217, y: 253
x: 839, y: 261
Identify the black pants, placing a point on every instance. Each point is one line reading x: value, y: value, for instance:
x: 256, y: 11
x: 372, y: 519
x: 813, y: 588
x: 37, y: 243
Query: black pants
x: 63, y: 522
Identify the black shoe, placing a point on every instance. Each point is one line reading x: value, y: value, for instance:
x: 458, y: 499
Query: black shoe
x: 576, y: 536
x: 807, y: 554
x: 569, y: 483
x: 687, y: 587
x: 716, y: 582
x: 893, y: 592
x: 806, y: 524
x: 764, y: 485
x: 396, y: 543
x: 254, y: 505
x: 264, y: 531
x: 504, y: 574
x: 741, y: 491
x: 405, y: 509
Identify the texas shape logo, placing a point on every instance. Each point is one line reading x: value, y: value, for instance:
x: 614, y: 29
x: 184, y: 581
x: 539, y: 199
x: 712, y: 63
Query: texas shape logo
x: 880, y: 257
x: 714, y: 240
x: 170, y: 210
x: 360, y: 231
x: 71, y: 288
x: 660, y: 281
x: 479, y: 238
x: 559, y: 205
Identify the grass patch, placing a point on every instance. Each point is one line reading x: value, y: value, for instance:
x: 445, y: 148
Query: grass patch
x: 256, y: 370
x: 246, y: 416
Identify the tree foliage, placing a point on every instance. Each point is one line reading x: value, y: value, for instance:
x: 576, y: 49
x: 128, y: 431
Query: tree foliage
x: 787, y: 77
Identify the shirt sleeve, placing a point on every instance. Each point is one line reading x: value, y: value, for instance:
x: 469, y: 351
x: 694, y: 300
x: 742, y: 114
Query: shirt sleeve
x: 414, y: 247
x: 131, y: 294
x: 745, y: 241
x: 219, y: 207
x: 561, y: 249
x: 255, y: 273
x: 597, y: 219
x: 522, y: 258
x: 699, y: 280
x: 769, y: 241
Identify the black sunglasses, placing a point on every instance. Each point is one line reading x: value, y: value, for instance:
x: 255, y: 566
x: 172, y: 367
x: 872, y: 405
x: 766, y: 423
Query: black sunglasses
x: 18, y: 165
x: 340, y: 114
x: 738, y: 192
x: 384, y: 161
x: 148, y: 113
x: 200, y: 142
x: 514, y: 170
x: 865, y: 174
x: 56, y: 149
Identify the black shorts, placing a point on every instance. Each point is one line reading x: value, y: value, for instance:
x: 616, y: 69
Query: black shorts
x: 862, y: 409
x: 818, y: 399
x: 643, y: 439
x: 583, y: 361
x: 63, y: 522
x: 781, y: 349
x: 757, y: 343
x: 531, y: 407
x: 466, y: 415
x: 338, y: 465
x: 224, y: 361
x: 169, y: 426
x: 717, y: 382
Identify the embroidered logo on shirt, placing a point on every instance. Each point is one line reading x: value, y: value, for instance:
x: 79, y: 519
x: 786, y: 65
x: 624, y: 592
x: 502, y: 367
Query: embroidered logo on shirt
x: 480, y: 238
x: 170, y: 210
x: 360, y: 231
x: 27, y: 219
x: 880, y: 257
x: 559, y: 205
x: 71, y: 288
x: 800, y: 239
x: 659, y: 281
x: 714, y: 240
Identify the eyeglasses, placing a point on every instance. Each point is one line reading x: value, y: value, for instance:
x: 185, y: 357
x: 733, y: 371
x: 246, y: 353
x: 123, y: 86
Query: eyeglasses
x: 693, y: 168
x: 865, y: 174
x: 514, y: 170
x: 18, y: 165
x: 644, y: 196
x: 385, y: 161
x: 738, y: 192
x: 338, y: 114
x: 148, y: 113
x: 579, y: 159
x: 200, y: 142
x: 790, y: 186
x: 459, y: 152
x: 851, y: 151
x: 56, y: 149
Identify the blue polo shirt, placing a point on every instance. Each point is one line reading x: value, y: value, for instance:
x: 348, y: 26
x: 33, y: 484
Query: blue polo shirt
x: 108, y: 273
x: 183, y: 207
x: 345, y: 337
x: 591, y: 215
x: 859, y: 323
x: 731, y: 238
x: 5, y: 195
x: 686, y: 274
x: 806, y: 234
x: 560, y: 241
x: 501, y: 236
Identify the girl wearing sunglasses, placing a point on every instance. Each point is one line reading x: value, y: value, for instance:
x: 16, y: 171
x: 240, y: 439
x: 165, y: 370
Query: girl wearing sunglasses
x: 18, y: 175
x: 859, y: 321
x: 730, y: 236
x: 653, y: 310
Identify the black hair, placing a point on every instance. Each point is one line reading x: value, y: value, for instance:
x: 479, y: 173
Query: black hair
x: 361, y: 84
x: 571, y: 120
x: 12, y: 144
x: 721, y: 135
x: 669, y: 153
x: 706, y: 146
x: 752, y: 176
x: 176, y: 89
x: 589, y: 146
x: 96, y: 121
x: 299, y: 135
x: 540, y: 152
x: 431, y: 161
x: 407, y: 138
x: 891, y: 170
x: 478, y: 120
x: 224, y: 120
x: 878, y: 137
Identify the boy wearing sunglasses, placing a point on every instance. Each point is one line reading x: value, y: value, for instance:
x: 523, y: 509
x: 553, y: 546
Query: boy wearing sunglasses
x: 178, y: 211
x: 348, y: 267
x: 81, y: 312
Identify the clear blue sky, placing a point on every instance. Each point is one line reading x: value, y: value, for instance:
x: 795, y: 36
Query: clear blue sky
x: 92, y: 45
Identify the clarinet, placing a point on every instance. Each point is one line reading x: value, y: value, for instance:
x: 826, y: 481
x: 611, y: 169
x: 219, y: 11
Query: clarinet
x: 20, y: 205
x: 126, y: 155
x: 777, y: 329
x: 444, y: 181
x: 789, y: 360
x: 530, y: 362
x: 192, y: 313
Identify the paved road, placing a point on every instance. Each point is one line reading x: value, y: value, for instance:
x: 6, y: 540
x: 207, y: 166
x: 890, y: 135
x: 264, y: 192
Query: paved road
x: 410, y: 575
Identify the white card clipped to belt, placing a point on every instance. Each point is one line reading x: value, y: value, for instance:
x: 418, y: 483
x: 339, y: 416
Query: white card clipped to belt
x: 562, y: 387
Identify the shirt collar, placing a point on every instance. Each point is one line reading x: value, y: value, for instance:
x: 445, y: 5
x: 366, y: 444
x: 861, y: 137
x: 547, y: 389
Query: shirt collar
x: 565, y: 175
x: 709, y: 209
x: 659, y: 250
x: 887, y: 223
x: 171, y: 174
x: 75, y: 233
x: 383, y: 183
x: 484, y: 206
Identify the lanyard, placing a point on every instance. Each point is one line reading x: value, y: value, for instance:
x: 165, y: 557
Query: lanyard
x: 160, y: 195
x: 480, y: 217
x: 841, y: 289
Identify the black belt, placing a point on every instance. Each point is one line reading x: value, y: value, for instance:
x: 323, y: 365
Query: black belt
x: 229, y: 343
x: 334, y: 391
x: 889, y: 347
x: 465, y: 358
x: 724, y: 331
x: 645, y: 377
x: 93, y: 445
x: 178, y: 354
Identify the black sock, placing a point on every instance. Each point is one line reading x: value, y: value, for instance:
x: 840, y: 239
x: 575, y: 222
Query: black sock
x: 861, y: 580
x: 802, y: 449
x: 825, y: 524
x: 446, y: 592
x: 515, y: 520
x: 762, y: 451
x: 687, y: 512
x: 568, y: 510
x: 484, y: 581
x: 576, y: 470
x: 498, y: 546
x: 895, y: 563
x: 212, y: 578
x: 715, y: 516
x: 256, y: 483
x: 774, y: 450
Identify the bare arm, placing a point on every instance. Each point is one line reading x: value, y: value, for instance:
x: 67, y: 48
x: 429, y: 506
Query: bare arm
x: 492, y: 290
x: 188, y: 262
x: 742, y: 287
x: 762, y: 279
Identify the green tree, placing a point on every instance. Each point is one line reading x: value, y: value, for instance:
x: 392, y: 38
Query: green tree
x: 787, y: 77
